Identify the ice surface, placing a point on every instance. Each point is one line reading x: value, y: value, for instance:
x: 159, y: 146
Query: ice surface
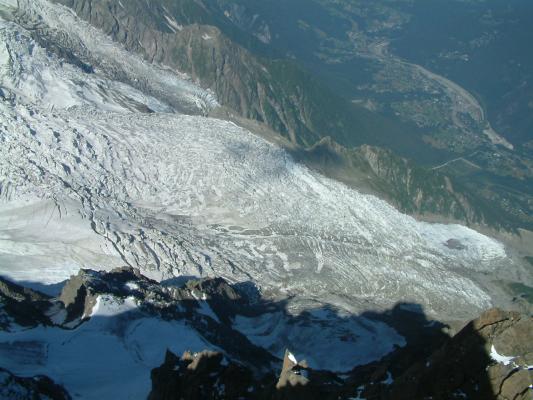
x: 8, y: 3
x: 55, y: 87
x: 93, y: 182
x: 46, y: 241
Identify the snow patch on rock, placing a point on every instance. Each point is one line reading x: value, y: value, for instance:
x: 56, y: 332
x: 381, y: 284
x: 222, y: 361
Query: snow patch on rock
x: 505, y: 360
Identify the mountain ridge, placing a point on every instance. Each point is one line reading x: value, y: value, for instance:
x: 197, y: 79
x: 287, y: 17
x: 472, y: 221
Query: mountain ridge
x: 123, y: 298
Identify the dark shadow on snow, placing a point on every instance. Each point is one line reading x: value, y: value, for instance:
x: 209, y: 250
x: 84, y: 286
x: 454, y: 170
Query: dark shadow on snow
x: 430, y: 364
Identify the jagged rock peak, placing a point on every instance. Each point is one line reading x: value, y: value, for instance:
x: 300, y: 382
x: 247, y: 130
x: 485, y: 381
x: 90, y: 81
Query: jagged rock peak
x: 489, y: 358
x: 202, y: 375
x: 80, y: 293
x: 293, y: 373
x: 214, y: 288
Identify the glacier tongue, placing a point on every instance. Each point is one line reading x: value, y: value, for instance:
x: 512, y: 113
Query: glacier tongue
x: 96, y: 182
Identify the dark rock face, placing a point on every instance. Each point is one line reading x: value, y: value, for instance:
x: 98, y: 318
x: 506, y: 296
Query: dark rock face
x: 205, y: 375
x: 216, y: 289
x: 223, y: 299
x: 80, y: 292
x: 23, y: 306
x: 298, y: 381
x: 208, y: 375
x: 20, y: 293
x: 463, y: 366
x: 38, y: 387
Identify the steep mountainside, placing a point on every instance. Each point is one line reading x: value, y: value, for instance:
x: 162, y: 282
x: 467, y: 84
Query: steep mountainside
x: 237, y: 50
x: 191, y: 37
x: 409, y: 187
x: 468, y: 110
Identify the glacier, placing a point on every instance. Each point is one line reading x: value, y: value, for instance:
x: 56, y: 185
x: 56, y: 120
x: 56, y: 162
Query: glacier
x: 120, y: 166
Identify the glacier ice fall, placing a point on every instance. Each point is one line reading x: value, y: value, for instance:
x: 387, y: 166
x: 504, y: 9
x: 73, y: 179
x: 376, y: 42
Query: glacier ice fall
x: 89, y: 178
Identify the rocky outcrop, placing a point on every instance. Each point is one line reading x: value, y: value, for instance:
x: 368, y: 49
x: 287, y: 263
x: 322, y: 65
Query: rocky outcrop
x: 81, y: 291
x: 293, y: 381
x: 214, y: 289
x: 16, y: 292
x: 38, y: 387
x: 77, y: 297
x: 209, y: 375
x: 488, y: 359
x: 22, y: 306
x: 205, y: 375
x: 298, y: 381
x: 208, y: 305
